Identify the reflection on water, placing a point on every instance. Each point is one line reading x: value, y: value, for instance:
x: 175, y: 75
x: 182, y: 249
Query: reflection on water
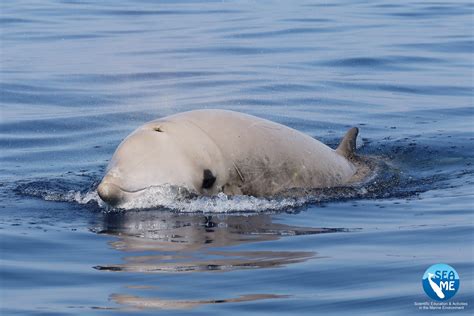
x: 230, y: 261
x: 185, y: 243
x: 157, y: 303
x: 167, y: 242
x: 169, y: 231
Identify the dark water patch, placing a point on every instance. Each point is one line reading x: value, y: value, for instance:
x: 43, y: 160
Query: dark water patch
x: 334, y: 104
x: 58, y: 97
x: 134, y: 13
x: 382, y: 64
x: 459, y: 46
x: 410, y: 89
x: 387, y: 5
x: 434, y: 11
x: 125, y: 32
x: 239, y: 50
x: 143, y: 76
x: 249, y: 102
x: 6, y: 21
x: 37, y: 87
x: 72, y: 124
x: 358, y: 62
x: 192, y: 85
x: 40, y: 141
x: 19, y: 276
x: 283, y: 32
x: 309, y: 20
x: 284, y: 88
x: 325, y: 4
x: 60, y: 37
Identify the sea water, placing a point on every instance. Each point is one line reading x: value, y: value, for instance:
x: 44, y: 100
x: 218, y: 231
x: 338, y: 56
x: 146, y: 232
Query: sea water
x: 78, y: 76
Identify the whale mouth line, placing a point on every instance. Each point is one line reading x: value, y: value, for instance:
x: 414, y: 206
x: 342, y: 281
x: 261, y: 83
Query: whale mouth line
x: 131, y: 191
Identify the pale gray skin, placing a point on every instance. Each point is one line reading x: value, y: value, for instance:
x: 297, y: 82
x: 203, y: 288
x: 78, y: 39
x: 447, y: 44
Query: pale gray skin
x: 212, y: 151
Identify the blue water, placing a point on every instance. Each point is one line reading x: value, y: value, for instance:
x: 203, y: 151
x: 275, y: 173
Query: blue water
x: 78, y: 76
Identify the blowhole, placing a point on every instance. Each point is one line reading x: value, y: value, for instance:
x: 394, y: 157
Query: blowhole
x: 158, y: 129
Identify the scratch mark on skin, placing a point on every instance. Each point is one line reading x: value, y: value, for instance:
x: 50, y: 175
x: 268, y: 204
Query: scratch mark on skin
x: 238, y: 172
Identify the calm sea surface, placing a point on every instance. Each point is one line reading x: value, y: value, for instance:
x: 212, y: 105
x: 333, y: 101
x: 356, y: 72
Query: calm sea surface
x: 78, y: 76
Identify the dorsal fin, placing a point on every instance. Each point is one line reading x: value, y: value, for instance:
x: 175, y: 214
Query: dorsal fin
x: 347, y: 147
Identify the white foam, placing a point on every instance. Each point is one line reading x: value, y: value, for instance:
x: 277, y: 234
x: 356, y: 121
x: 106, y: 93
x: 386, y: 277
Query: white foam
x: 176, y: 199
x: 70, y: 196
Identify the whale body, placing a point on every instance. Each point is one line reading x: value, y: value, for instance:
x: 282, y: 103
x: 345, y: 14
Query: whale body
x: 212, y: 151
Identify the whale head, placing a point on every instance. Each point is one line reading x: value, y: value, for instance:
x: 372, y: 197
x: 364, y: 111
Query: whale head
x: 163, y: 153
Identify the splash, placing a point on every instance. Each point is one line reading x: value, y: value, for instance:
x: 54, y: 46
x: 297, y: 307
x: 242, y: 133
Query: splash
x: 59, y: 191
x: 181, y: 200
x: 166, y: 197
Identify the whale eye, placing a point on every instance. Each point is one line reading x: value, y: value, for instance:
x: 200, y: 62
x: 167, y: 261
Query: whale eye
x: 208, y: 179
x: 158, y: 129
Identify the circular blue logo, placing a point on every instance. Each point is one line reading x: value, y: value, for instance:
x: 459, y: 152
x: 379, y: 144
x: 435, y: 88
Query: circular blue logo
x: 440, y: 282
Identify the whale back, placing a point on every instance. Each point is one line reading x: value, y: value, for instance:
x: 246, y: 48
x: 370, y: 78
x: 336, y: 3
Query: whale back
x: 264, y: 158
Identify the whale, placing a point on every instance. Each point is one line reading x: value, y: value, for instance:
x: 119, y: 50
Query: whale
x: 210, y: 151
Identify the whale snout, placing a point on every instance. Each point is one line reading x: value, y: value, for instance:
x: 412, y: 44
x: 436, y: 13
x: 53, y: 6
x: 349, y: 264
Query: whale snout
x: 110, y: 193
